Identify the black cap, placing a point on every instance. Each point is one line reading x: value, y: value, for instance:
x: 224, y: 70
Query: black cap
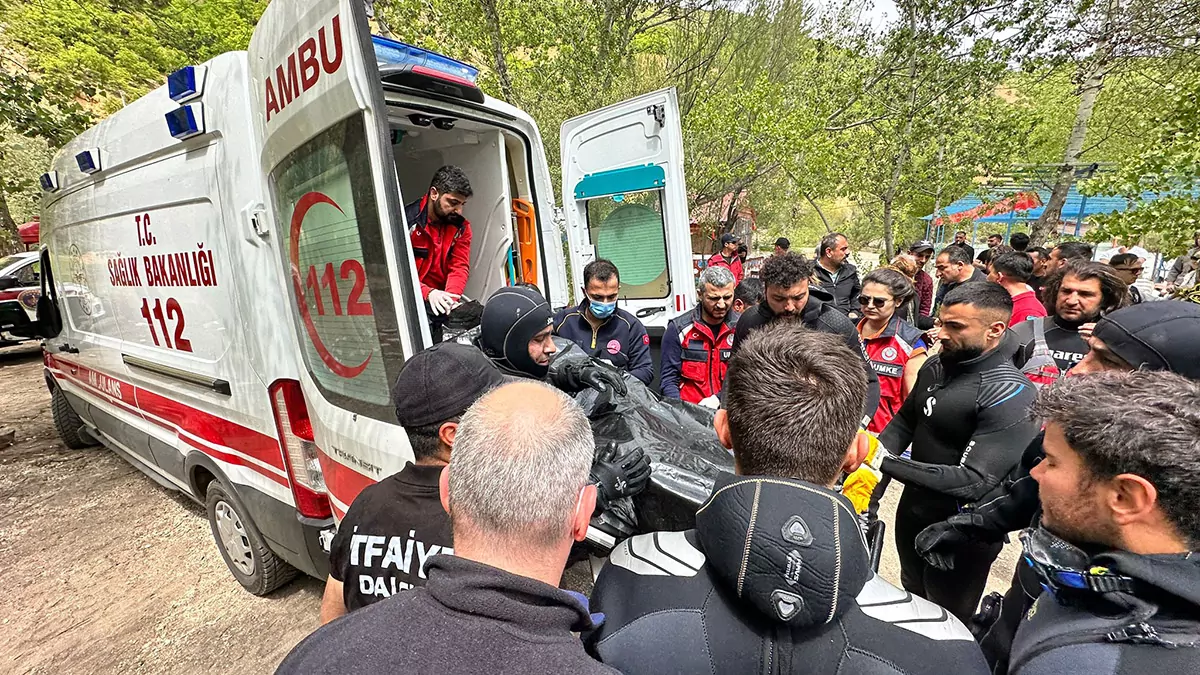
x: 511, y: 317
x: 442, y: 382
x: 729, y: 238
x: 923, y: 245
x: 783, y: 243
x: 1156, y: 335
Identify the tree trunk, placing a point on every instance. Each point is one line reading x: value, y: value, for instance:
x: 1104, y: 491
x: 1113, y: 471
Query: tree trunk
x: 492, y: 14
x: 8, y: 227
x: 889, y: 244
x: 1097, y: 68
x: 824, y: 220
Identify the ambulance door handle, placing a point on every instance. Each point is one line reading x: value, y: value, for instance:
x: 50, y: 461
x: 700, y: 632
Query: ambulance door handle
x: 66, y: 348
x: 647, y: 311
x: 255, y: 217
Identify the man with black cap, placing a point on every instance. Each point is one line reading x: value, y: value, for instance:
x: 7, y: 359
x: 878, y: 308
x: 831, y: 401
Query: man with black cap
x: 403, y: 512
x: 728, y: 255
x: 1161, y: 336
x: 515, y: 333
x: 782, y: 245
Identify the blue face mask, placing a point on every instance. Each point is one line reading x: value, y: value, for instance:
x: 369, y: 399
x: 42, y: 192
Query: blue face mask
x: 602, y: 310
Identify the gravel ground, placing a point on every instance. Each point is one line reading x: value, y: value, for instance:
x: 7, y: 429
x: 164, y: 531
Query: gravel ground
x: 106, y: 572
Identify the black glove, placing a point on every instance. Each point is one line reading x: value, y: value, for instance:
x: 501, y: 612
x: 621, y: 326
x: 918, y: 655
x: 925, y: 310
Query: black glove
x: 576, y: 376
x: 616, y: 477
x: 938, y: 543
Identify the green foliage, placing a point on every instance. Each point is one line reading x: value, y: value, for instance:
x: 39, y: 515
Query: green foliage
x: 812, y: 118
x: 1166, y: 166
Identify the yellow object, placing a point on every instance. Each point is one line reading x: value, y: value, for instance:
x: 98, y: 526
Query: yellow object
x: 872, y: 445
x: 859, y: 486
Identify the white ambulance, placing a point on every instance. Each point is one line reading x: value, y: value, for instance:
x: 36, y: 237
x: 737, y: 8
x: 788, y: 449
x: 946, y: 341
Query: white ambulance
x: 228, y: 286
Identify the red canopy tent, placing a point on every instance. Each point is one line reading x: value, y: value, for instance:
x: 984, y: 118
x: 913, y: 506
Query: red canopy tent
x: 29, y: 233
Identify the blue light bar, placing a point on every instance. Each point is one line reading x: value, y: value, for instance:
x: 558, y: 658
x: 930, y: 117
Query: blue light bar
x: 49, y: 181
x: 392, y: 52
x: 186, y: 83
x: 186, y: 121
x: 89, y: 160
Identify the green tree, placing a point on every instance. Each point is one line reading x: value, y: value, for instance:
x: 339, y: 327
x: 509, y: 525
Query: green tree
x: 1166, y: 169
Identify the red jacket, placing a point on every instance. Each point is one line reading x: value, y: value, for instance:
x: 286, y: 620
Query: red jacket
x: 1026, y: 306
x: 924, y: 285
x: 442, y: 252
x: 735, y: 266
x: 693, y: 359
x: 888, y: 353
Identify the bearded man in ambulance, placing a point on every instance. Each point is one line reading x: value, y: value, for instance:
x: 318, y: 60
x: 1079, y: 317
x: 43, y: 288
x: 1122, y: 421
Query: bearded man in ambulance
x: 441, y: 243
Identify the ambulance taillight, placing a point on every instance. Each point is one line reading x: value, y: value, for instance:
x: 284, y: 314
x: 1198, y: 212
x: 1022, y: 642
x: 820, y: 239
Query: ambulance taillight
x: 300, y: 450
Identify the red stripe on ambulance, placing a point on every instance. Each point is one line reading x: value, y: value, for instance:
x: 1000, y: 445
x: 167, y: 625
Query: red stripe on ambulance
x: 185, y: 421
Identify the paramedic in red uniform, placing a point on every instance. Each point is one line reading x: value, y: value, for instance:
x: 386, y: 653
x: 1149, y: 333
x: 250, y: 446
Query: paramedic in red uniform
x: 728, y: 256
x: 696, y: 345
x: 895, y: 349
x: 441, y: 242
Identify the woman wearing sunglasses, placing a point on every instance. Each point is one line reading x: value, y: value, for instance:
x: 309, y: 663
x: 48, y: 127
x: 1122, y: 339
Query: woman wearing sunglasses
x: 895, y: 348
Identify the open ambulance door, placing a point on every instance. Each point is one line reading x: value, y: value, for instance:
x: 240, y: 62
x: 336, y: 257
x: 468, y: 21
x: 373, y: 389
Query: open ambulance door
x: 339, y: 228
x: 625, y: 200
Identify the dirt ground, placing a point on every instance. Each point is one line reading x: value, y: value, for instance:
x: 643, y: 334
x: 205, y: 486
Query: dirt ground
x: 103, y: 571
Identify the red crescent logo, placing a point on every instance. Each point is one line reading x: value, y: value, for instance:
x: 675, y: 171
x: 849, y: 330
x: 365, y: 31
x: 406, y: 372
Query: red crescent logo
x: 306, y: 202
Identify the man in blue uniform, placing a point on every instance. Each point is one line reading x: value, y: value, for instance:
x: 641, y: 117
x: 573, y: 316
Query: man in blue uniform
x: 602, y: 329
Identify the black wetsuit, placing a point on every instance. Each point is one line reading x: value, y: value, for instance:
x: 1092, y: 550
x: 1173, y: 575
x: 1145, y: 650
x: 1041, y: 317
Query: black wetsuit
x: 818, y: 314
x: 968, y: 424
x: 1062, y: 337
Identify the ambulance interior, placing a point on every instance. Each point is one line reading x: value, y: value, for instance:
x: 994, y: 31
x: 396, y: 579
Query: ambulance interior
x: 504, y: 246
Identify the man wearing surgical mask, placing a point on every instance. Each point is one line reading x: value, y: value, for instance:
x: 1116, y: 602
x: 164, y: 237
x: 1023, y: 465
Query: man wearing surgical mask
x: 603, y: 330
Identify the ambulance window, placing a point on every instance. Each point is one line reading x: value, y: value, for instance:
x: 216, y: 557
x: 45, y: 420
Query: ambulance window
x: 340, y: 295
x: 628, y: 229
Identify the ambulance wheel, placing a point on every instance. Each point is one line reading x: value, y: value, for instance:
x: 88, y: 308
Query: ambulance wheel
x: 68, y: 425
x: 253, y: 564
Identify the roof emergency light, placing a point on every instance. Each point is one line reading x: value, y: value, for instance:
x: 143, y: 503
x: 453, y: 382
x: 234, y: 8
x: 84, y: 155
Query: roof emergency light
x: 415, y: 67
x: 186, y: 121
x: 89, y: 160
x: 49, y: 181
x: 187, y: 83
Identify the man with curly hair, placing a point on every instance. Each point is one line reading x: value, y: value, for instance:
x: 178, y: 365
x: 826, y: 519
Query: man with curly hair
x: 789, y: 297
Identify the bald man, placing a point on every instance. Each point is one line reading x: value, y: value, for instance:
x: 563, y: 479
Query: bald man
x: 518, y: 496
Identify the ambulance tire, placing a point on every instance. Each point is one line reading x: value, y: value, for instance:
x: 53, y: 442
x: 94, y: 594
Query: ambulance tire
x: 68, y: 424
x: 268, y: 571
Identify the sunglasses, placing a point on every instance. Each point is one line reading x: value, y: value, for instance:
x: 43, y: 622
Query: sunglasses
x: 866, y: 300
x: 1129, y: 269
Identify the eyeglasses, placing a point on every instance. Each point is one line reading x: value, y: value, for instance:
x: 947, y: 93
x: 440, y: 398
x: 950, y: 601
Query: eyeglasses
x: 865, y: 300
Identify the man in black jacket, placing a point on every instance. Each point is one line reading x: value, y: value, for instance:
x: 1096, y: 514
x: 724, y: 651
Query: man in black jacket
x: 790, y: 296
x: 836, y: 275
x: 776, y: 576
x: 1120, y: 525
x: 1159, y: 336
x: 967, y: 420
x: 517, y: 494
x: 953, y: 268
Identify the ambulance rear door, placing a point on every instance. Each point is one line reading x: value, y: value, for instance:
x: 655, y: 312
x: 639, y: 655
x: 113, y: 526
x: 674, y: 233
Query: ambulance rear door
x: 625, y: 200
x: 339, y: 224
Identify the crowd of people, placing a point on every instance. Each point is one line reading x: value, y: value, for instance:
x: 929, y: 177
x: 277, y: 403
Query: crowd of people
x: 1028, y: 390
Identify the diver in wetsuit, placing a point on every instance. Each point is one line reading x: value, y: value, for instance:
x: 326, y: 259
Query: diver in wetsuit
x: 516, y: 334
x: 968, y: 422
